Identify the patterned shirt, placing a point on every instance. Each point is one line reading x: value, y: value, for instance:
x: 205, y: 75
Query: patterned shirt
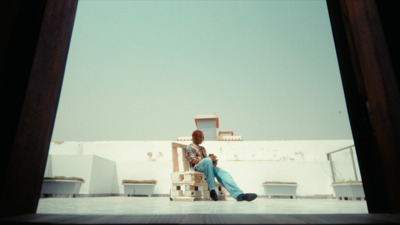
x: 195, y: 152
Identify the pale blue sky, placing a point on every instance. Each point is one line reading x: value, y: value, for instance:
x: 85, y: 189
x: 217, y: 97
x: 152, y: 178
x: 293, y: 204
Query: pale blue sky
x: 143, y: 70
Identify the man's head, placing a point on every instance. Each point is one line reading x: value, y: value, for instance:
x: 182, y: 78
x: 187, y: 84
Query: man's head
x: 197, y: 137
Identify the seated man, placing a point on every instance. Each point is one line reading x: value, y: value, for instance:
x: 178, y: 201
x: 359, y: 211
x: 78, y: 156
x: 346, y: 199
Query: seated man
x: 200, y: 162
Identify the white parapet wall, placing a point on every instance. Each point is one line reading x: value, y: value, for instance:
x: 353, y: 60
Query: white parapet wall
x: 105, y: 164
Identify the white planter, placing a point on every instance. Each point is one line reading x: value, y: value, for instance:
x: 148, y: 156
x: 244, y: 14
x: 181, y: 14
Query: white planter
x: 280, y: 189
x: 61, y: 187
x: 139, y: 189
x: 349, y: 191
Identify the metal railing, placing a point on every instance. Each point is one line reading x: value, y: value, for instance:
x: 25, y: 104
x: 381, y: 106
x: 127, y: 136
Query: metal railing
x: 351, y: 149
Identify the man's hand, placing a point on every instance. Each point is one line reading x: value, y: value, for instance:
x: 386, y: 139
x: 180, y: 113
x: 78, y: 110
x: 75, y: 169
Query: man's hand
x: 214, y: 159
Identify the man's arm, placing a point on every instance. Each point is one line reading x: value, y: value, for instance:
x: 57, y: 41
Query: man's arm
x: 214, y: 159
x: 191, y: 155
x: 195, y: 161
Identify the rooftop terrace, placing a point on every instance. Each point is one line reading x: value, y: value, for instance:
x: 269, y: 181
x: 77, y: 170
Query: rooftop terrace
x: 160, y: 210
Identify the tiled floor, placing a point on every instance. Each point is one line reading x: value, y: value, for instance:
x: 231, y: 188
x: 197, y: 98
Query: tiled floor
x: 162, y: 205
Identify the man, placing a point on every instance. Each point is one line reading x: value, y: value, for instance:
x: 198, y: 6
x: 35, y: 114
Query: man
x: 200, y: 162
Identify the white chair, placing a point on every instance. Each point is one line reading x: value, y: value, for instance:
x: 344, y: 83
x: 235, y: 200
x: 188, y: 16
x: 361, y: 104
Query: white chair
x: 188, y: 185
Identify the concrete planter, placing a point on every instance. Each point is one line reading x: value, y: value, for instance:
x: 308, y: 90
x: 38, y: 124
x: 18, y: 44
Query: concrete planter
x: 349, y: 191
x: 132, y: 187
x: 285, y: 189
x: 61, y: 187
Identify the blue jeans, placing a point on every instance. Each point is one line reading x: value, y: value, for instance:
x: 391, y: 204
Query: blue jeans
x: 206, y: 166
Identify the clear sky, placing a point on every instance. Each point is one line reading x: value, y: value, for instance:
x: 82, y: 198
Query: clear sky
x: 143, y: 70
